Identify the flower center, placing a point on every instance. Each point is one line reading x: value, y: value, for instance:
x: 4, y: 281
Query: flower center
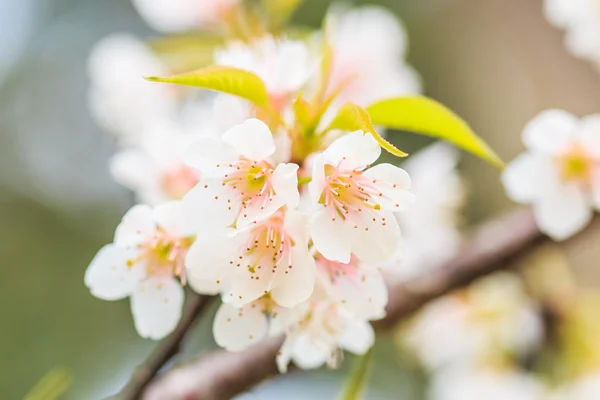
x: 250, y: 180
x: 163, y: 254
x: 576, y: 165
x: 178, y: 181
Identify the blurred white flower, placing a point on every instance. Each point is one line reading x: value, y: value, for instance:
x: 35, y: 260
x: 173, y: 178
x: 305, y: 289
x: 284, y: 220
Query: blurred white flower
x: 492, y: 316
x: 584, y: 388
x: 480, y: 384
x: 357, y: 203
x: 560, y: 172
x: 369, y: 45
x: 430, y: 232
x: 581, y: 20
x: 144, y: 262
x: 184, y: 15
x: 122, y: 102
x: 320, y: 334
x: 284, y: 65
x: 239, y: 185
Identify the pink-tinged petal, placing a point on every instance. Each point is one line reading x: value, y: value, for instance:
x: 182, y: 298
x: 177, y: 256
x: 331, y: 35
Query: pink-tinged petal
x: 297, y: 285
x: 169, y: 216
x: 296, y: 224
x: 212, y: 259
x: 137, y: 224
x: 589, y: 135
x: 207, y: 208
x: 563, y: 213
x: 352, y: 151
x: 108, y: 277
x: 156, y: 306
x: 358, y: 337
x: 317, y: 183
x: 235, y: 329
x: 363, y: 293
x: 550, y: 132
x: 208, y: 153
x: 331, y: 236
x: 393, y: 184
x: 528, y: 177
x: 376, y: 241
x: 252, y: 140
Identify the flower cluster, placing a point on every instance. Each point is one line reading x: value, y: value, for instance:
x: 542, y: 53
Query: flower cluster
x: 275, y: 208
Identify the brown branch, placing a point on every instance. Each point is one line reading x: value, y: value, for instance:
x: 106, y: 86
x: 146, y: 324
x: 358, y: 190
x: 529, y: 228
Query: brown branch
x: 165, y: 350
x: 222, y: 375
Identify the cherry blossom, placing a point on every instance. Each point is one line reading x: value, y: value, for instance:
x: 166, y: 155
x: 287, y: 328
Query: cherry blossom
x: 559, y: 175
x: 268, y: 257
x: 239, y: 185
x: 321, y: 333
x: 145, y: 262
x: 184, y: 15
x: 357, y: 203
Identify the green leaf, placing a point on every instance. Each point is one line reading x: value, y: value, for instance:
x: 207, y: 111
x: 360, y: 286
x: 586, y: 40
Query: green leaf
x: 358, y: 377
x: 353, y: 118
x: 219, y: 78
x: 428, y: 117
x: 280, y: 11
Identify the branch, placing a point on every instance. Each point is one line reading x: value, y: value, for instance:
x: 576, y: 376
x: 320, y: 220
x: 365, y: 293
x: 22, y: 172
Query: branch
x: 165, y: 350
x: 222, y: 375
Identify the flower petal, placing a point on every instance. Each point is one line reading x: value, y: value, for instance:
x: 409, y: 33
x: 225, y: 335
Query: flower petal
x: 331, y: 236
x: 550, y: 132
x: 252, y: 139
x: 297, y: 284
x: 589, y: 135
x: 206, y: 153
x: 169, y: 216
x: 137, y: 224
x: 563, y: 213
x: 527, y: 177
x: 156, y: 306
x: 358, y: 337
x: 375, y: 241
x: 238, y: 328
x: 355, y: 150
x: 393, y: 184
x: 108, y: 277
x: 317, y: 183
x: 207, y: 210
x: 308, y: 354
x: 364, y: 293
x: 134, y: 170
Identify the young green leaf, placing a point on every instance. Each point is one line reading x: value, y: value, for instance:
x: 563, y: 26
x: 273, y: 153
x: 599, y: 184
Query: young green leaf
x: 428, y: 117
x: 219, y: 78
x: 357, y: 378
x: 280, y: 11
x: 354, y: 118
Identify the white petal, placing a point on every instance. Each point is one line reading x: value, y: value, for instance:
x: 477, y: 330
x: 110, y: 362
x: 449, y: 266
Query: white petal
x: 563, y: 213
x: 133, y: 169
x: 550, y: 132
x: 108, y: 277
x: 156, y: 306
x: 358, y: 337
x: 283, y: 149
x: 527, y: 177
x: 589, y: 135
x: 297, y: 285
x: 252, y: 139
x: 354, y: 150
x: 244, y: 287
x: 372, y: 241
x: 206, y: 153
x: 331, y: 236
x: 169, y: 216
x: 393, y: 184
x: 137, y: 224
x: 310, y: 355
x: 291, y: 67
x: 238, y: 328
x: 213, y: 258
x: 296, y: 224
x: 284, y: 355
x: 364, y: 293
x: 207, y: 210
x: 202, y: 286
x: 317, y: 183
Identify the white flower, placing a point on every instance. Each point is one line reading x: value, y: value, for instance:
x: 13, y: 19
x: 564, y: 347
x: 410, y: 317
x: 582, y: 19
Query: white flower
x: 283, y: 65
x: 369, y: 45
x: 581, y: 20
x: 318, y: 337
x: 239, y: 184
x: 269, y: 257
x: 471, y: 384
x: 429, y: 231
x: 121, y: 101
x: 559, y: 174
x: 356, y: 286
x: 356, y: 202
x: 491, y: 317
x: 144, y: 262
x: 183, y: 15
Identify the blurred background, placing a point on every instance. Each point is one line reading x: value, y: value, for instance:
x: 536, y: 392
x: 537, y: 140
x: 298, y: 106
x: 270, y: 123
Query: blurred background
x: 496, y: 62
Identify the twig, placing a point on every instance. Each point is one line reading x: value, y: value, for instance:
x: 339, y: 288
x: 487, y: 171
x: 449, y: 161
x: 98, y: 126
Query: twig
x: 222, y: 375
x: 165, y: 350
